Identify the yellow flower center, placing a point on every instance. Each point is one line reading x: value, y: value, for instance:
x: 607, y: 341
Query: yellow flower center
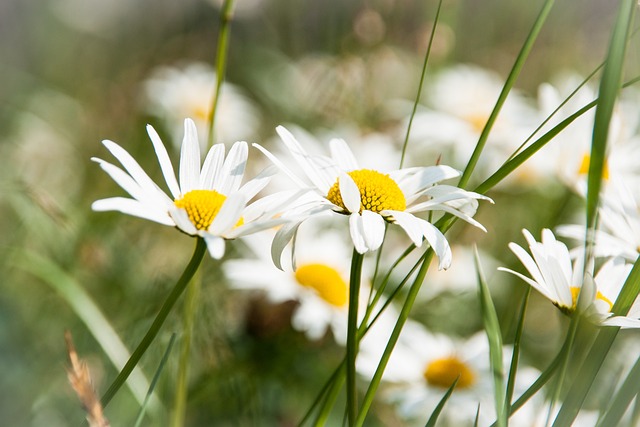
x: 202, y: 206
x: 377, y: 192
x: 443, y: 372
x: 326, y: 281
x: 575, y: 291
x: 477, y: 121
x: 584, y: 167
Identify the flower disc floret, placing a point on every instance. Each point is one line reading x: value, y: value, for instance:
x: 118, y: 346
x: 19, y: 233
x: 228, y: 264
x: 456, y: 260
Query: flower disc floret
x: 378, y: 192
x: 326, y: 281
x: 201, y: 206
x: 443, y: 372
x: 575, y: 292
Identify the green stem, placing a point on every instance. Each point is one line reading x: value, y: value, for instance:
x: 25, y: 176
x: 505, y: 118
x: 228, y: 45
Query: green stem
x: 402, y: 318
x: 177, y: 290
x: 190, y: 309
x: 352, y: 335
x: 221, y: 61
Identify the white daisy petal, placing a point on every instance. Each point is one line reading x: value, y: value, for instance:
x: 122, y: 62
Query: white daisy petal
x: 373, y: 229
x: 438, y: 242
x: 215, y: 246
x: 134, y: 208
x: 299, y: 183
x: 189, y: 158
x: 356, y: 229
x: 229, y: 214
x: 409, y: 223
x: 253, y: 187
x: 210, y: 175
x: 280, y: 241
x: 233, y: 168
x: 124, y: 180
x: 342, y: 155
x: 350, y: 193
x: 182, y: 221
x: 303, y: 159
x: 131, y: 166
x: 622, y: 321
x: 165, y: 162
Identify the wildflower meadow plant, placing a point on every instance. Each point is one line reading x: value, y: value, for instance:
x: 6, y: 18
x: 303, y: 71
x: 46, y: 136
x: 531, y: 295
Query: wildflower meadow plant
x: 344, y: 232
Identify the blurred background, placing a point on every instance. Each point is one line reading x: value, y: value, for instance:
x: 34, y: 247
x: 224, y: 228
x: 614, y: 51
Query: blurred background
x: 75, y: 72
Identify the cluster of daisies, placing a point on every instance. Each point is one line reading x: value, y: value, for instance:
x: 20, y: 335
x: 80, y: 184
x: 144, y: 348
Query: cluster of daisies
x: 334, y: 203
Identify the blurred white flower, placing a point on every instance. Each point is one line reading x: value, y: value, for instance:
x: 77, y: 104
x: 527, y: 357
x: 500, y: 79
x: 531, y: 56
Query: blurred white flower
x: 208, y: 202
x: 460, y: 100
x: 423, y: 366
x: 174, y: 93
x: 320, y: 284
x: 369, y: 198
x: 554, y: 276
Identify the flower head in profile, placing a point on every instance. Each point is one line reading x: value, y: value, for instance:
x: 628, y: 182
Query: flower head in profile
x: 560, y: 281
x: 208, y: 202
x: 370, y: 197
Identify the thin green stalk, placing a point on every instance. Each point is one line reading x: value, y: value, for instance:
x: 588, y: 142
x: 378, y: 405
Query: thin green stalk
x: 352, y: 335
x: 154, y: 381
x: 177, y: 290
x: 515, y: 358
x: 189, y: 311
x: 332, y: 396
x: 627, y: 392
x: 511, y: 79
x: 393, y: 339
x: 226, y: 15
x: 421, y: 84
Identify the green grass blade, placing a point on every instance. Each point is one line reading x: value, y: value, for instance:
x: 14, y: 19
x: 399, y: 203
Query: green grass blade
x: 154, y: 380
x: 181, y: 284
x: 494, y: 335
x: 89, y: 313
x: 421, y: 84
x: 431, y: 422
x: 508, y: 85
x: 627, y: 392
x: 610, y: 85
x: 599, y: 350
x: 513, y: 367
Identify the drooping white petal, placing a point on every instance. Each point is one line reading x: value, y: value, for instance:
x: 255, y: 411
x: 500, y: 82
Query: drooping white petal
x: 448, y: 209
x: 280, y: 241
x: 438, y: 242
x: 342, y: 155
x: 134, y: 208
x: 229, y: 214
x: 189, y: 158
x: 622, y: 321
x: 123, y: 179
x: 373, y: 228
x: 534, y: 271
x: 350, y: 193
x: 165, y: 162
x: 215, y: 246
x: 356, y: 230
x: 233, y: 168
x: 409, y: 223
x: 303, y: 159
x: 212, y: 167
x: 538, y: 286
x: 414, y: 183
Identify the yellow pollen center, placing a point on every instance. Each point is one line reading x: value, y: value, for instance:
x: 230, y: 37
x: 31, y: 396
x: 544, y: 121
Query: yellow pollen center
x: 326, y: 281
x: 377, y: 192
x: 443, y: 372
x: 575, y: 291
x: 584, y: 167
x: 202, y: 206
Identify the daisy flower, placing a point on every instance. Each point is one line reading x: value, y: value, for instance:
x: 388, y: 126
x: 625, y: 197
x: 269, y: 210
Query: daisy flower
x: 560, y: 281
x: 208, y: 202
x: 173, y: 93
x: 370, y: 198
x: 423, y: 366
x: 320, y: 284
